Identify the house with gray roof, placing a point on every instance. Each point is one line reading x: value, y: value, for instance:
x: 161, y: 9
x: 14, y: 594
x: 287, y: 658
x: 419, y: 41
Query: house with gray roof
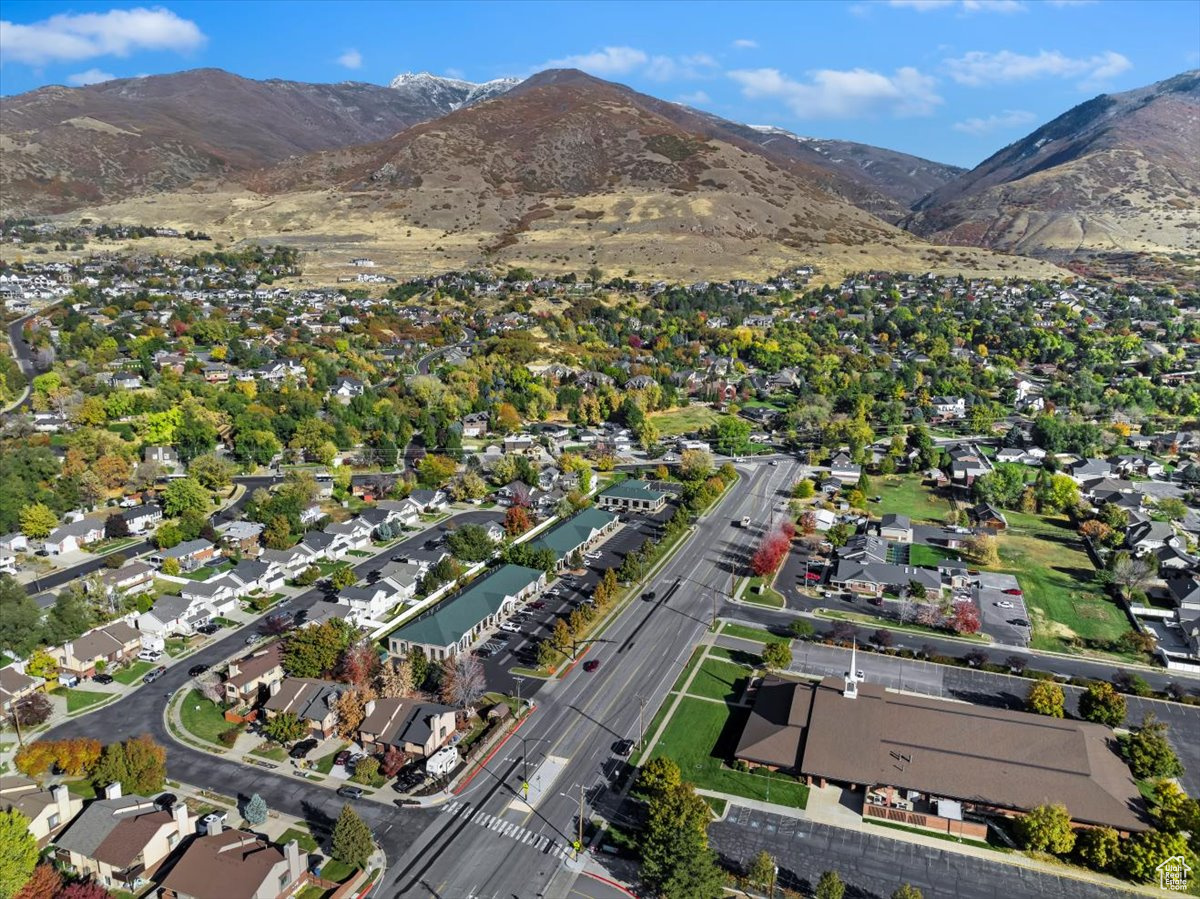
x: 311, y: 700
x: 418, y: 728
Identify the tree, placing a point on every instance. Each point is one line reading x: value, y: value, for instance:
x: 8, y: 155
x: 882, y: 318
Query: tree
x: 1062, y: 493
x: 761, y: 871
x: 803, y: 489
x: 18, y: 851
x: 45, y: 883
x: 351, y: 710
x: 352, y: 842
x: 964, y: 617
x: 168, y: 535
x: 659, y: 776
x: 342, y: 578
x: 20, y: 618
x: 1131, y: 573
x: 255, y: 811
x: 396, y: 679
x: 37, y: 521
x: 1171, y: 808
x: 1046, y: 828
x: 517, y: 521
x: 211, y: 687
x: 171, y: 567
x: 434, y: 470
x: 982, y: 549
x: 907, y: 891
x: 777, y: 656
x: 138, y: 764
x: 1097, y: 847
x: 830, y: 886
x: 731, y: 436
x: 184, y: 495
x: 278, y: 534
x: 800, y: 629
x: 315, y: 651
x: 676, y: 859
x: 359, y: 665
x: 84, y: 889
x: 285, y: 727
x: 463, y: 681
x: 115, y: 526
x: 471, y: 543
x: 695, y: 465
x: 1148, y: 752
x: 507, y: 419
x: 213, y: 472
x: 308, y: 576
x: 31, y: 710
x: 1144, y: 852
x: 366, y: 770
x: 1045, y: 698
x: 1102, y: 704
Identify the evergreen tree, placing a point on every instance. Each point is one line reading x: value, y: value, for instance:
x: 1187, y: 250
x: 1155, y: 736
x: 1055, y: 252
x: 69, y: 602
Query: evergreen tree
x: 352, y: 841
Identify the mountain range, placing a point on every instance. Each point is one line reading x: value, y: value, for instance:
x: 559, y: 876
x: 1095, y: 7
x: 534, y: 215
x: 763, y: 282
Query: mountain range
x: 569, y: 168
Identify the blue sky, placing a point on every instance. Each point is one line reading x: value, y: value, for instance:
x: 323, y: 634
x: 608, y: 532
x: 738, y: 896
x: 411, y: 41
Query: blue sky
x: 951, y: 80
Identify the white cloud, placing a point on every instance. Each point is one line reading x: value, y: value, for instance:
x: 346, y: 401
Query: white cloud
x: 91, y: 76
x: 75, y: 36
x: 744, y: 43
x: 979, y: 68
x: 695, y: 98
x: 1001, y: 6
x: 351, y: 59
x: 680, y: 68
x: 831, y: 94
x: 608, y: 61
x: 1001, y: 121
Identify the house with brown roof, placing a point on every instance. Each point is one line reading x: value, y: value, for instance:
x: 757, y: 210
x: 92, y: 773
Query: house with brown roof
x: 234, y: 864
x: 112, y: 643
x: 311, y: 700
x: 249, y: 680
x: 48, y: 810
x: 925, y: 761
x: 418, y: 728
x: 16, y: 684
x: 122, y: 840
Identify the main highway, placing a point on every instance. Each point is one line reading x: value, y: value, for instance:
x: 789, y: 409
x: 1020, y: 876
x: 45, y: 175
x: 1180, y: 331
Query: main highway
x: 487, y: 842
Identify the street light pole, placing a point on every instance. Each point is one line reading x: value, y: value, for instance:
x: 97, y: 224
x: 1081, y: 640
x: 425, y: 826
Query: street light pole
x: 518, y: 681
x: 579, y: 841
x: 641, y: 723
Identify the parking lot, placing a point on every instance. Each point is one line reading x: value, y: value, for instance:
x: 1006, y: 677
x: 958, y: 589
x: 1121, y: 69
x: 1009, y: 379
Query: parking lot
x: 1002, y: 610
x: 502, y: 650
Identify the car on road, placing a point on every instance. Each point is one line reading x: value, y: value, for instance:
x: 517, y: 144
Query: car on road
x: 253, y: 638
x: 302, y: 749
x: 212, y: 818
x: 745, y: 521
x: 102, y: 678
x: 197, y: 670
x: 623, y: 748
x: 774, y: 461
x: 287, y: 600
x: 208, y: 629
x: 153, y: 674
x: 591, y: 665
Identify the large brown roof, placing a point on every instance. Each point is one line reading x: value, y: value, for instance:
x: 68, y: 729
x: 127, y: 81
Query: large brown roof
x: 774, y: 732
x: 230, y: 865
x: 1014, y: 760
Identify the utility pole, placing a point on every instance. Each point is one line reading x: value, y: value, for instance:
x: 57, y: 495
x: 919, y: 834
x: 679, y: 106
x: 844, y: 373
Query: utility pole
x: 579, y: 841
x: 518, y: 681
x: 641, y: 725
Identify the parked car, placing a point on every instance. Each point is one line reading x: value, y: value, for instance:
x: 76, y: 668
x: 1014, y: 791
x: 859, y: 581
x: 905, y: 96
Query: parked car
x: 253, y: 638
x: 208, y: 629
x: 623, y: 748
x: 1013, y: 591
x: 1005, y: 604
x: 537, y: 605
x: 510, y: 627
x: 153, y: 674
x: 591, y: 665
x: 102, y: 678
x: 342, y: 758
x: 197, y: 670
x: 302, y: 749
x: 350, y: 792
x: 1019, y: 622
x: 149, y: 655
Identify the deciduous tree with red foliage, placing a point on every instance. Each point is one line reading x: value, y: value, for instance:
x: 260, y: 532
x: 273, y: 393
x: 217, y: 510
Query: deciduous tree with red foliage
x: 517, y: 521
x: 84, y: 889
x: 393, y: 761
x: 359, y: 665
x: 45, y: 883
x: 965, y: 618
x: 772, y: 551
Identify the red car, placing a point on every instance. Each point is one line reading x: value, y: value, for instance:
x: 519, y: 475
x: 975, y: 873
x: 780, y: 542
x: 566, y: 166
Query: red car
x: 813, y: 576
x: 537, y: 605
x: 592, y: 665
x: 1013, y: 591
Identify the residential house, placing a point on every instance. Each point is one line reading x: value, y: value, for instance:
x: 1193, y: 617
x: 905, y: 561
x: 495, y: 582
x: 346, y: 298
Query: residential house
x: 15, y: 542
x: 966, y: 464
x: 121, y: 841
x: 130, y: 578
x: 241, y: 536
x: 110, y: 644
x: 250, y: 575
x: 73, y: 536
x: 896, y: 528
x: 290, y: 561
x: 311, y: 700
x: 236, y: 864
x: 347, y: 389
x: 406, y: 512
x: 15, y: 685
x: 415, y: 727
x: 1148, y: 536
x: 174, y: 615
x: 48, y: 809
x: 947, y: 408
x: 842, y: 467
x: 475, y: 424
x: 430, y: 500
x: 370, y: 602
x: 249, y: 680
x: 985, y: 515
x: 219, y: 594
x: 190, y: 554
x: 1087, y: 469
x: 142, y: 518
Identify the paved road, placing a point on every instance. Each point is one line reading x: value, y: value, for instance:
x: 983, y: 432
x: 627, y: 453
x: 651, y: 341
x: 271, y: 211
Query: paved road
x: 24, y: 356
x: 874, y: 865
x: 481, y: 846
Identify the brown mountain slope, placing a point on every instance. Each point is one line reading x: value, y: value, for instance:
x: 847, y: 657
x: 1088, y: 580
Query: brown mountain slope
x: 1115, y: 174
x: 67, y: 147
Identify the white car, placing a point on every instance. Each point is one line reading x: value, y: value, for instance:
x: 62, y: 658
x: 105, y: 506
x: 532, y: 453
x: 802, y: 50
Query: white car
x: 149, y: 655
x: 1005, y: 604
x: 510, y: 627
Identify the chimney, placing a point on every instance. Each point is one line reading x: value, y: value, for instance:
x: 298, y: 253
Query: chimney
x: 234, y: 670
x: 180, y: 813
x: 62, y: 802
x: 295, y: 862
x: 369, y: 708
x: 275, y: 685
x: 113, y: 790
x: 213, y: 827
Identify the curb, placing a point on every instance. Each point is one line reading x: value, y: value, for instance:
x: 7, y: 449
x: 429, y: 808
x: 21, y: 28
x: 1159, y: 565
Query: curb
x: 479, y: 766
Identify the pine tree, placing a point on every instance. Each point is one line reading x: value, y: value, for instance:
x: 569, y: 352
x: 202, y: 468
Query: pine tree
x: 352, y: 841
x: 255, y: 811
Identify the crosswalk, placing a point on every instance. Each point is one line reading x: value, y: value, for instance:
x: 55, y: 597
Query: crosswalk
x: 540, y: 842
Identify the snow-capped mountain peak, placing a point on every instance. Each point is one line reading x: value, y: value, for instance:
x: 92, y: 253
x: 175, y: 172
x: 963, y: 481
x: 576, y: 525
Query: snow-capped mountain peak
x: 449, y: 94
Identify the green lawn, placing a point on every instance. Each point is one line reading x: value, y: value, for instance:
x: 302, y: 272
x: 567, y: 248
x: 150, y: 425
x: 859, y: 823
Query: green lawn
x: 305, y: 839
x: 167, y: 588
x: 325, y: 763
x: 133, y: 673
x: 270, y: 751
x: 687, y: 669
x: 336, y: 871
x: 311, y: 891
x: 750, y: 633
x: 702, y: 735
x: 201, y: 718
x: 1056, y: 576
x: 78, y: 700
x: 176, y: 646
x: 204, y: 572
x: 905, y: 495
x: 718, y: 679
x: 924, y: 556
x: 717, y: 805
x: 685, y: 420
x: 890, y: 625
x: 81, y: 788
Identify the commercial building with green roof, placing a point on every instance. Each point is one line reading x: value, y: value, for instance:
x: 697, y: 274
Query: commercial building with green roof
x: 454, y: 624
x: 632, y: 496
x: 576, y: 533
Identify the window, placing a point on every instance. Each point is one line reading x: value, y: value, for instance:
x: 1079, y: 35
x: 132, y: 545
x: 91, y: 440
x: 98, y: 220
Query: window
x: 283, y: 882
x: 54, y: 821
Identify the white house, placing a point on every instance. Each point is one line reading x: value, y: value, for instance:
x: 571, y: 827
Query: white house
x: 70, y: 537
x: 174, y: 615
